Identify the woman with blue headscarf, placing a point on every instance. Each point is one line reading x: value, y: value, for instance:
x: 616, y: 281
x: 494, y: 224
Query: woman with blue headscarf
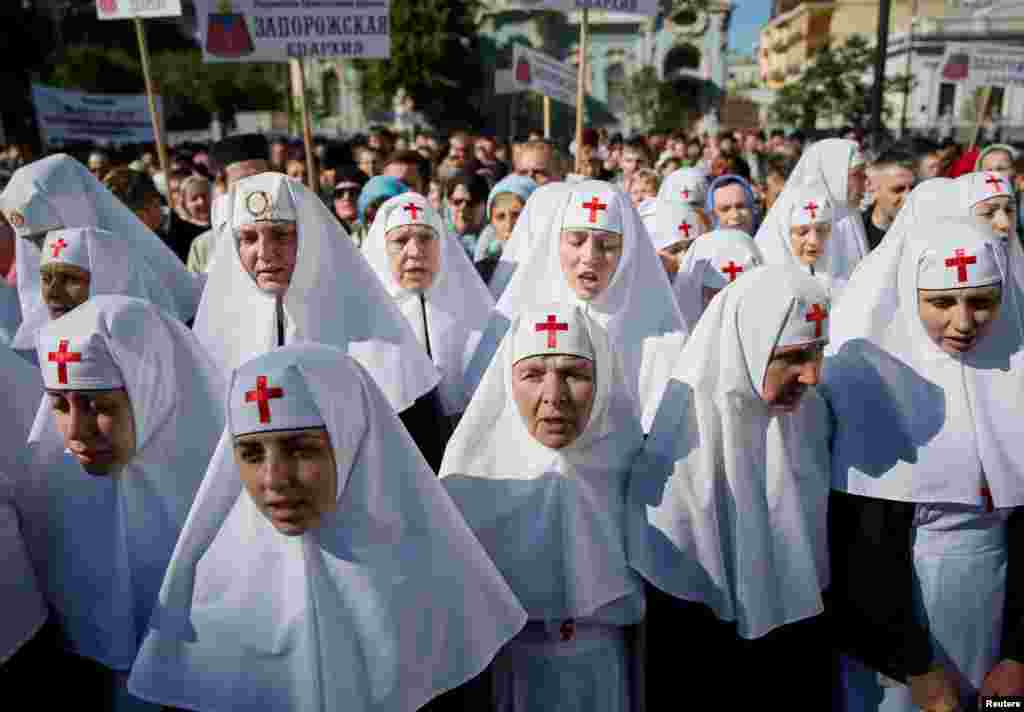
x: 730, y: 203
x: 377, y: 191
x: 504, y: 205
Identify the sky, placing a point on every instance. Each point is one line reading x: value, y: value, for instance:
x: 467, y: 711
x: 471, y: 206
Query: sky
x: 748, y: 16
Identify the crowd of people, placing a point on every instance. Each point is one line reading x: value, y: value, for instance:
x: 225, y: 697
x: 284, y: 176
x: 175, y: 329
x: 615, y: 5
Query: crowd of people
x: 468, y: 424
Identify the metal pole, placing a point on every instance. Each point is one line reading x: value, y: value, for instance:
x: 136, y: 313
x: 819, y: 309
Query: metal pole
x: 881, y: 50
x: 580, y: 89
x: 910, y: 57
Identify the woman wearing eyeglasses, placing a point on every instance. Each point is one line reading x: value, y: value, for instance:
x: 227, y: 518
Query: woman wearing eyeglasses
x: 465, y: 198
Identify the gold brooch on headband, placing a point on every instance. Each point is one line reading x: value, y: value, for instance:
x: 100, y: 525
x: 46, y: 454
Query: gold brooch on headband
x: 16, y: 219
x: 258, y: 204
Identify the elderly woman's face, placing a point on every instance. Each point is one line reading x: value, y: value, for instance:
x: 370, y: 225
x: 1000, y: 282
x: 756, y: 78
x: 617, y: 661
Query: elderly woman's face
x: 268, y: 252
x: 414, y: 253
x: 291, y: 476
x: 555, y: 396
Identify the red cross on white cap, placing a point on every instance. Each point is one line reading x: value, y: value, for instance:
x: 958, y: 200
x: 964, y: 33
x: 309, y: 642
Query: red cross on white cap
x: 725, y: 266
x: 806, y: 323
x: 950, y: 264
x: 69, y: 247
x: 558, y: 329
x: 410, y: 209
x: 593, y: 210
x: 811, y: 207
x: 269, y: 393
x: 73, y: 356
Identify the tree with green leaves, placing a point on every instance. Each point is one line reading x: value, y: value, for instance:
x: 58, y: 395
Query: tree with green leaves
x: 659, y: 105
x: 433, y: 55
x: 834, y: 87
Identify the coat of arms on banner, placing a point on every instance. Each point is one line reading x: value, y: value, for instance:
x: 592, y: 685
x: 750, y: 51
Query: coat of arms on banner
x: 227, y: 33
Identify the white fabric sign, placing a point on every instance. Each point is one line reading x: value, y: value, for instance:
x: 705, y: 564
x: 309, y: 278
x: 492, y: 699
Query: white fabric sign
x: 264, y: 31
x: 536, y: 71
x: 984, y: 64
x: 68, y: 116
x: 634, y: 7
x: 128, y: 9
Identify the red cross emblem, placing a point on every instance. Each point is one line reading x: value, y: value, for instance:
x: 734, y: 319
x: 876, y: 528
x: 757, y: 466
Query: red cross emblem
x: 594, y: 206
x: 62, y: 357
x: 960, y: 261
x: 684, y: 227
x: 58, y: 246
x: 812, y: 208
x: 995, y: 181
x: 262, y: 396
x: 415, y: 210
x: 732, y: 269
x: 551, y: 326
x: 817, y: 315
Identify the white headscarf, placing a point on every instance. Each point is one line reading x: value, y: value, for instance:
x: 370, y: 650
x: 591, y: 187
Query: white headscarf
x: 801, y: 205
x: 457, y: 305
x: 686, y: 186
x: 387, y: 603
x: 877, y: 274
x: 334, y: 297
x: 552, y: 520
x: 916, y: 424
x: 100, y: 544
x: 117, y: 264
x: 637, y: 309
x: 59, y: 192
x: 827, y: 163
x: 24, y: 608
x: 648, y: 210
x: 719, y: 258
x: 534, y: 221
x: 735, y: 496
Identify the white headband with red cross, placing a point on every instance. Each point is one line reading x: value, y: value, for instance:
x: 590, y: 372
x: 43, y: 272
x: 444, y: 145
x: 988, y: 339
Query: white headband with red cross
x: 412, y: 209
x: 806, y: 324
x: 558, y: 329
x: 593, y: 211
x: 68, y: 247
x: 76, y: 362
x: 959, y: 267
x: 727, y: 265
x: 991, y: 185
x: 266, y: 398
x: 812, y: 208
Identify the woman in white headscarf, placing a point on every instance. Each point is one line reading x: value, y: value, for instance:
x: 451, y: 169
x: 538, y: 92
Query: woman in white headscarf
x: 732, y: 489
x: 288, y: 273
x: 687, y: 186
x: 77, y: 263
x: 379, y: 598
x: 927, y: 470
x: 714, y: 262
x: 676, y: 226
x: 117, y: 452
x: 538, y: 466
x: 59, y: 192
x: 595, y: 253
x: 24, y: 610
x: 436, y: 288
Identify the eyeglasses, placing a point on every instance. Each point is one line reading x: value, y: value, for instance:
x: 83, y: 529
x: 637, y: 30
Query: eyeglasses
x: 459, y: 202
x: 346, y: 192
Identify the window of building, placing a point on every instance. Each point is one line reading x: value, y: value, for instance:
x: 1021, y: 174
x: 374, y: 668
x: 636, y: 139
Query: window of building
x: 947, y: 98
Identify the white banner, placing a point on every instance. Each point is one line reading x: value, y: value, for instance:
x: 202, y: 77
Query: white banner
x: 984, y: 64
x: 632, y: 7
x: 276, y: 30
x: 127, y: 9
x: 535, y: 71
x: 70, y: 116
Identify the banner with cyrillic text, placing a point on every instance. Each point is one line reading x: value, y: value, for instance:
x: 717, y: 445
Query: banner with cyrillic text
x: 632, y: 7
x: 67, y: 116
x: 535, y: 71
x: 128, y: 9
x: 279, y: 30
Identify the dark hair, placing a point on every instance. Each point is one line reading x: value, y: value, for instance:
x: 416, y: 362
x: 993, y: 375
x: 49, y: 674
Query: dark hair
x: 896, y: 157
x: 134, y: 188
x: 475, y: 184
x: 779, y: 164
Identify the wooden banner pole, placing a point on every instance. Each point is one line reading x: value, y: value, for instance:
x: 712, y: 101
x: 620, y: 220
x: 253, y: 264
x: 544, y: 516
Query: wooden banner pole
x: 158, y: 134
x: 299, y: 90
x: 982, y: 112
x: 581, y: 88
x: 547, y: 118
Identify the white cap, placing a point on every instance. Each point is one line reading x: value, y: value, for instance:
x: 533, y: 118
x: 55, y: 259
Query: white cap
x: 69, y: 247
x: 989, y: 185
x: 692, y: 188
x: 727, y: 265
x: 558, y: 329
x: 34, y: 218
x: 593, y: 211
x: 269, y: 393
x: 413, y: 210
x: 807, y: 323
x: 75, y: 362
x: 813, y: 206
x: 264, y: 197
x: 952, y: 267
